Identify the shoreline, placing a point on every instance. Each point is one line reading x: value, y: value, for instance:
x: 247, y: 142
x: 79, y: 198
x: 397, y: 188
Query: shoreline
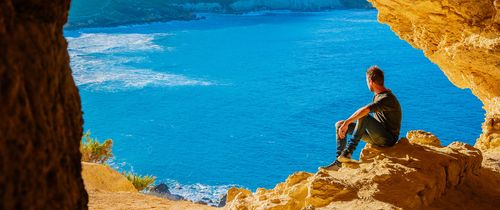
x: 197, y: 16
x: 109, y: 189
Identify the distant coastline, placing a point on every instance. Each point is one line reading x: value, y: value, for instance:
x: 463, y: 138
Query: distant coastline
x: 111, y: 13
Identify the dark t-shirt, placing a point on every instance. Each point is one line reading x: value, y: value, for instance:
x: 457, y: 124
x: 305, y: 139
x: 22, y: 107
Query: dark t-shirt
x: 386, y: 109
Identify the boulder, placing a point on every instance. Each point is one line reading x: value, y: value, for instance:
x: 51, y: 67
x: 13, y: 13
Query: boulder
x: 161, y: 190
x: 423, y: 138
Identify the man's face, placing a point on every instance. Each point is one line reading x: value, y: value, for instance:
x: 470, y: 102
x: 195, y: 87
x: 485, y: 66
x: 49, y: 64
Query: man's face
x: 369, y: 83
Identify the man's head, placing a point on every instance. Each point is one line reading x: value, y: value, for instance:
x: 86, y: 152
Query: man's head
x: 374, y: 77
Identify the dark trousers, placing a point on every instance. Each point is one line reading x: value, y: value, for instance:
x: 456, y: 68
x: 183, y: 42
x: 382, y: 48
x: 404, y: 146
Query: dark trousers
x: 367, y: 129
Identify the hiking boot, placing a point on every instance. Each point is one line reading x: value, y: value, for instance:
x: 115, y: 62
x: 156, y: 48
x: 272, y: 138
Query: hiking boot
x: 335, y: 166
x: 344, y: 157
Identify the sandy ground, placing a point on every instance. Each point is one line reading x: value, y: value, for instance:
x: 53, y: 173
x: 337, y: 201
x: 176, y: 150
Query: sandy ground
x: 110, y: 190
x: 130, y: 200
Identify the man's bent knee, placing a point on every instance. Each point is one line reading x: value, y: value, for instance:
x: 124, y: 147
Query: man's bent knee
x: 338, y: 124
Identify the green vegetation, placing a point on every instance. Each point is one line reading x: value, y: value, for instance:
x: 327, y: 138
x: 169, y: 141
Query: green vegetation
x: 140, y: 182
x: 93, y: 151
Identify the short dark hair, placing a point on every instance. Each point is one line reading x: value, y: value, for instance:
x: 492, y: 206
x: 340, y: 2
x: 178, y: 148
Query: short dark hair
x: 376, y: 75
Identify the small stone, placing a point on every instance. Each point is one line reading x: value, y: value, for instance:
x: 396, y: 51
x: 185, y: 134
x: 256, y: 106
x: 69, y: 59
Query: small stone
x: 161, y: 188
x: 222, y: 201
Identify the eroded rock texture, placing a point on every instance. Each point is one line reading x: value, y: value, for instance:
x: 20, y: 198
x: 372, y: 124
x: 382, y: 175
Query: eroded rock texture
x: 406, y: 176
x: 40, y: 113
x: 463, y: 38
x: 422, y: 137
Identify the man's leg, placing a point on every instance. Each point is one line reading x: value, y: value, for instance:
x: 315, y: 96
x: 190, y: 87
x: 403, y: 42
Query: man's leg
x: 378, y: 134
x: 369, y: 130
x: 341, y: 144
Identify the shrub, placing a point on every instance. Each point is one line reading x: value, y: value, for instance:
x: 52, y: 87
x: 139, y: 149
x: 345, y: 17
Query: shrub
x: 93, y: 151
x: 140, y: 182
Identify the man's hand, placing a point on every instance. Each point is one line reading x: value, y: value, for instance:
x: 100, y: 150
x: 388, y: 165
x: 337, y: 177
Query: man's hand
x: 358, y: 114
x: 343, y: 129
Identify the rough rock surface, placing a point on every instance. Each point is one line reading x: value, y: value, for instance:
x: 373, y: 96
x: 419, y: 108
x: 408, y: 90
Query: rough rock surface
x: 406, y: 176
x: 422, y: 137
x: 40, y: 110
x: 463, y: 38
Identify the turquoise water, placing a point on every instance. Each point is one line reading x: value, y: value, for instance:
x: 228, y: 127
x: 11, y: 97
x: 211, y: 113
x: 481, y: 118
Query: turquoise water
x: 249, y: 99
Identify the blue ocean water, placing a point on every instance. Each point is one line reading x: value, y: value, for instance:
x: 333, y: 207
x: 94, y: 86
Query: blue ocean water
x: 249, y: 99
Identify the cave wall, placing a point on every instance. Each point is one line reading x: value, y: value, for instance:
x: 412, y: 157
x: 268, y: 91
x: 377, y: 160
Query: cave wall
x: 40, y: 112
x: 463, y: 38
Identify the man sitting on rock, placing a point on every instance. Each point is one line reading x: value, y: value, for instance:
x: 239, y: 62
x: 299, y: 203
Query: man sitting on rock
x: 381, y: 129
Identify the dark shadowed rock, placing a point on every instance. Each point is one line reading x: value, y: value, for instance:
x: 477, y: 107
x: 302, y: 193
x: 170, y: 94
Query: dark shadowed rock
x: 40, y: 112
x: 201, y: 202
x: 222, y: 201
x: 161, y: 188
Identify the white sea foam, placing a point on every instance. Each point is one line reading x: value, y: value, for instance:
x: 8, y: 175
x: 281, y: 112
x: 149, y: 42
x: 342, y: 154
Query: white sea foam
x: 122, y: 78
x: 199, y: 192
x: 210, y: 194
x: 109, y: 43
x: 105, y: 62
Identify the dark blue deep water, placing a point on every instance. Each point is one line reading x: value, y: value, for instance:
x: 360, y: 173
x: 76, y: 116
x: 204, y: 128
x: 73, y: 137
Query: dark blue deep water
x: 250, y: 99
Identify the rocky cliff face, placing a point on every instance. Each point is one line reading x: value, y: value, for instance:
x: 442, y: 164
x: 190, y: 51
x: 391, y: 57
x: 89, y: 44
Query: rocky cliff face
x: 463, y: 38
x: 40, y: 113
x: 410, y: 175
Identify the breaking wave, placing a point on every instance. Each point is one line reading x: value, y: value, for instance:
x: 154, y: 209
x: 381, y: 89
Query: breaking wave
x: 210, y: 194
x: 107, y: 62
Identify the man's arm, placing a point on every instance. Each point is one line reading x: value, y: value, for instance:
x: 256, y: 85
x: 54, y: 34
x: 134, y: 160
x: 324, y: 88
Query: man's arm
x: 361, y: 112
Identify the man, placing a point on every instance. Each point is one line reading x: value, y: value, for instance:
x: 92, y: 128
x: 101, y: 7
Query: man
x: 381, y: 129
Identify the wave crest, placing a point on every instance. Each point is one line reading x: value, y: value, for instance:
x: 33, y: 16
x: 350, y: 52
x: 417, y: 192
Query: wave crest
x: 210, y: 194
x: 106, y: 62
